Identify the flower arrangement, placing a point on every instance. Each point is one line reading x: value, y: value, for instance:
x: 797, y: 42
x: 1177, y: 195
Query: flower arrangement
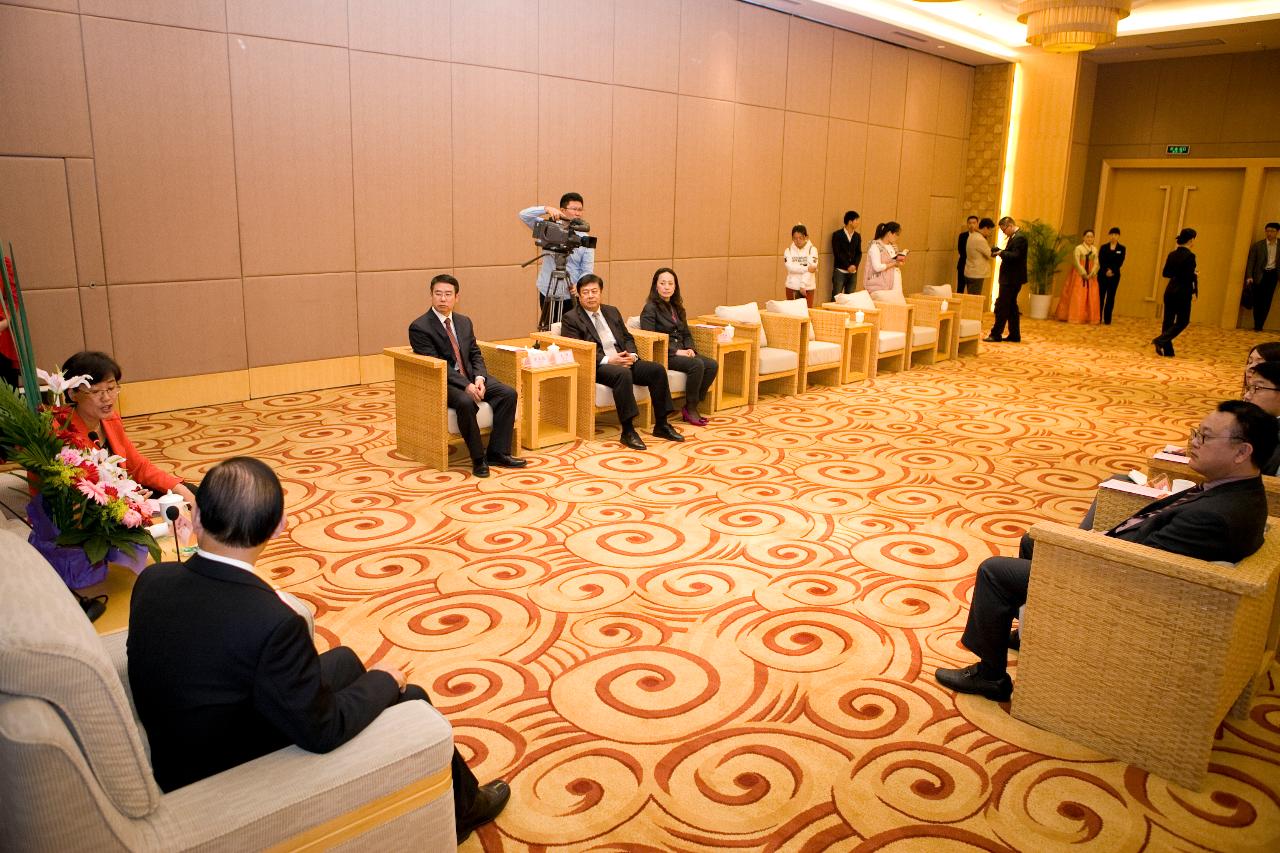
x: 85, y: 507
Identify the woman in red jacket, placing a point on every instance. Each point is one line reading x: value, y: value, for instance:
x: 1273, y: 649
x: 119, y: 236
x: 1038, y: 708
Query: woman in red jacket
x: 95, y: 419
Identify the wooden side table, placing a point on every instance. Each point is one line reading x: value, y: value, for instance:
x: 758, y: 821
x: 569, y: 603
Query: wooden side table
x: 549, y: 403
x: 857, y: 352
x: 733, y: 384
x: 948, y: 334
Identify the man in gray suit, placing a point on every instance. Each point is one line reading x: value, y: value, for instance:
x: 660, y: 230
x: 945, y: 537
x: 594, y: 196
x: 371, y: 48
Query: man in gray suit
x: 1260, y: 274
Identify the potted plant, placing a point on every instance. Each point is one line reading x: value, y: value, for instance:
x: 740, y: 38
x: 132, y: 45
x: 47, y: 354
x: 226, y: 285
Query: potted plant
x: 1047, y: 248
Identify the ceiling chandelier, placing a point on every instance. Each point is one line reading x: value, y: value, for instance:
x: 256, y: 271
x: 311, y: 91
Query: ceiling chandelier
x: 1070, y: 26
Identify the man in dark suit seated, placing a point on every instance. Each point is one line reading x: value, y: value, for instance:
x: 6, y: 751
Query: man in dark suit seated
x: 443, y: 334
x: 618, y: 365
x: 1222, y: 520
x: 223, y: 671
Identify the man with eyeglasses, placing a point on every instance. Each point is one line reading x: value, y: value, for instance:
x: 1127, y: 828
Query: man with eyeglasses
x: 1223, y: 519
x: 1263, y: 390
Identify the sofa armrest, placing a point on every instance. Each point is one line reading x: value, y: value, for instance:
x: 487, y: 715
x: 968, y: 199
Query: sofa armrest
x: 926, y: 311
x: 828, y: 325
x: 784, y: 331
x: 503, y: 364
x: 895, y: 318
x: 651, y: 346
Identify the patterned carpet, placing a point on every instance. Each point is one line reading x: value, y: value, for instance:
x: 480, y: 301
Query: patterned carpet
x: 729, y: 643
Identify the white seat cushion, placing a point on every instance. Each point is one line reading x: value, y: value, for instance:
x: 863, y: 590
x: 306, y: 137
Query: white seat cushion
x: 859, y: 299
x: 823, y: 352
x: 893, y: 296
x: 633, y: 322
x: 892, y: 341
x: 943, y: 290
x: 676, y: 381
x: 554, y: 329
x: 774, y: 360
x: 604, y: 394
x: 970, y: 328
x: 748, y: 312
x: 791, y: 308
x: 923, y: 335
x: 484, y: 419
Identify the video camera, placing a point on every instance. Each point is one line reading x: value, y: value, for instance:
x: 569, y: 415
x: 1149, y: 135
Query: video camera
x: 562, y: 238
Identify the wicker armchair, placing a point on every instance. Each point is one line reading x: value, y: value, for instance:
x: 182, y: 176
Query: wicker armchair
x: 968, y: 334
x: 924, y: 331
x: 426, y: 428
x: 1139, y: 653
x: 889, y: 333
x: 825, y: 359
x: 782, y: 360
x: 595, y: 399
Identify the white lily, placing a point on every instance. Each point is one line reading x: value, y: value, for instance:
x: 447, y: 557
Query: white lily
x: 59, y: 384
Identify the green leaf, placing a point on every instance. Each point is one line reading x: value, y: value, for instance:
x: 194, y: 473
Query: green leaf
x: 96, y: 549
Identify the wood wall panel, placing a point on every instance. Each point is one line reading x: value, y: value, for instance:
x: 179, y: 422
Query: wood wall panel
x: 576, y: 41
x: 846, y: 162
x: 36, y: 219
x: 1190, y: 104
x: 709, y: 48
x: 920, y: 109
x: 300, y: 318
x: 762, y: 56
x: 946, y: 221
x: 704, y: 283
x: 54, y: 318
x: 494, y: 178
x: 627, y: 286
x: 387, y: 302
x: 851, y: 59
x: 404, y: 27
x: 86, y: 228
x: 314, y: 21
x: 955, y: 92
x: 649, y: 55
x: 1119, y: 118
x: 804, y: 162
x: 43, y: 99
x: 644, y: 187
x: 880, y: 185
x: 502, y: 302
x: 889, y: 83
x: 52, y: 5
x: 498, y: 33
x: 163, y: 151
x: 95, y: 316
x: 704, y: 177
x: 809, y: 67
x: 144, y: 314
x: 947, y: 168
x: 754, y: 278
x: 293, y: 157
x: 575, y: 139
x: 1253, y: 81
x: 757, y: 181
x: 402, y: 150
x: 914, y: 186
x: 193, y: 14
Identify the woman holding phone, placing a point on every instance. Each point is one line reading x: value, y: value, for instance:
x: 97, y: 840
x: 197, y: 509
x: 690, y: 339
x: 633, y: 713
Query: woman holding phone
x: 884, y: 259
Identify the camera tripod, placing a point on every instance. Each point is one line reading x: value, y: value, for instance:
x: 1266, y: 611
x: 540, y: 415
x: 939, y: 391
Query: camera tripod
x: 558, y: 290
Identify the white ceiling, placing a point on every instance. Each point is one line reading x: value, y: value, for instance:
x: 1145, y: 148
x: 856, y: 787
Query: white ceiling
x: 979, y: 32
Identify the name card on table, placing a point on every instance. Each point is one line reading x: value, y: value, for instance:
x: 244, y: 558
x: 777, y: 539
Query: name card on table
x: 551, y: 355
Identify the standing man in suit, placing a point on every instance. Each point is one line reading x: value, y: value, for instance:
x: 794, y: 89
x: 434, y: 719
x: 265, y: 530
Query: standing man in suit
x: 443, y: 334
x: 846, y: 250
x: 1110, y: 258
x: 1222, y: 520
x: 223, y: 671
x: 1260, y: 274
x: 1013, y: 274
x: 962, y: 251
x: 618, y: 366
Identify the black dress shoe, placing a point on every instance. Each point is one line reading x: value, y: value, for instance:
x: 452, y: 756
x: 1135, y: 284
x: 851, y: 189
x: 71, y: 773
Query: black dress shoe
x: 505, y: 460
x: 1013, y: 340
x: 991, y: 339
x: 667, y: 431
x: 1015, y: 640
x: 490, y: 800
x: 631, y: 439
x: 479, y: 467
x: 968, y: 680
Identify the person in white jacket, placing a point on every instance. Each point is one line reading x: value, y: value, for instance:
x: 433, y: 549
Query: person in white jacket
x: 801, y: 261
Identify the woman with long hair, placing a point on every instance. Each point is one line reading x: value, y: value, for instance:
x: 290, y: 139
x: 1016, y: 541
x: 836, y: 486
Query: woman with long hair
x: 664, y: 312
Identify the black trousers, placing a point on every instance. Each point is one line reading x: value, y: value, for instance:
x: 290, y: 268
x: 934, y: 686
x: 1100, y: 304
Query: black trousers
x: 969, y: 285
x: 1000, y: 590
x: 701, y: 372
x: 1107, y: 285
x: 1177, y: 313
x: 1263, y: 291
x: 621, y: 380
x: 340, y: 666
x: 842, y: 282
x: 502, y: 399
x: 1007, y: 312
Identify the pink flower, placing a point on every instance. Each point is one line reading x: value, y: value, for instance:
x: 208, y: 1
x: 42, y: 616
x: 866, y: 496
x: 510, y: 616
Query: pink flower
x: 92, y: 490
x: 132, y: 518
x: 70, y: 456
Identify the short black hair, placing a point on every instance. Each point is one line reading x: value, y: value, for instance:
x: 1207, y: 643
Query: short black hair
x: 98, y: 366
x: 1114, y: 230
x: 1275, y: 225
x: 447, y: 279
x: 591, y: 278
x: 568, y: 197
x: 972, y: 216
x: 799, y: 228
x: 986, y: 222
x: 1185, y: 236
x: 1256, y: 427
x: 1268, y: 350
x: 850, y: 216
x: 1086, y: 231
x: 241, y: 502
x: 1006, y: 220
x: 1268, y: 370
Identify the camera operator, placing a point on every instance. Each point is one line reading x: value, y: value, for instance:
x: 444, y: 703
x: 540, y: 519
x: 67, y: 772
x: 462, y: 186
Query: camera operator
x: 582, y: 260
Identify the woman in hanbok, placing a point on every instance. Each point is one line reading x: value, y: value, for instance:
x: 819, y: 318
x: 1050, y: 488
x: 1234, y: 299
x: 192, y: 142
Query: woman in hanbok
x: 1080, y: 301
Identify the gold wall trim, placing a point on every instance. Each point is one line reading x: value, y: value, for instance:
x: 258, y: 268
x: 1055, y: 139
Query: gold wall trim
x: 304, y: 376
x: 376, y: 368
x: 183, y: 392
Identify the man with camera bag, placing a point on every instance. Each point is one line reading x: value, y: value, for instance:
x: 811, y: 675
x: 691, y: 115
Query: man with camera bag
x: 581, y: 258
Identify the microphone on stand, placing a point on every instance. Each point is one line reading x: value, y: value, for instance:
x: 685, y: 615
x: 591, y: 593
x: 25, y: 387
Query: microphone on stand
x: 171, y: 513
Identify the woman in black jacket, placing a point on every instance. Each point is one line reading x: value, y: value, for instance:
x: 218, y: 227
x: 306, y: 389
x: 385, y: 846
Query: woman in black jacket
x: 664, y: 312
x: 1180, y: 269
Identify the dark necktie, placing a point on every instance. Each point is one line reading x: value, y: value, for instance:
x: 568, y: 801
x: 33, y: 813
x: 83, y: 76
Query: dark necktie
x: 1135, y: 520
x: 457, y: 353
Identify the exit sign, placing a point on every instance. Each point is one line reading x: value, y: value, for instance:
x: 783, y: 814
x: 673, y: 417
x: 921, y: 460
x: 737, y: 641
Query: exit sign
x: 1177, y: 149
